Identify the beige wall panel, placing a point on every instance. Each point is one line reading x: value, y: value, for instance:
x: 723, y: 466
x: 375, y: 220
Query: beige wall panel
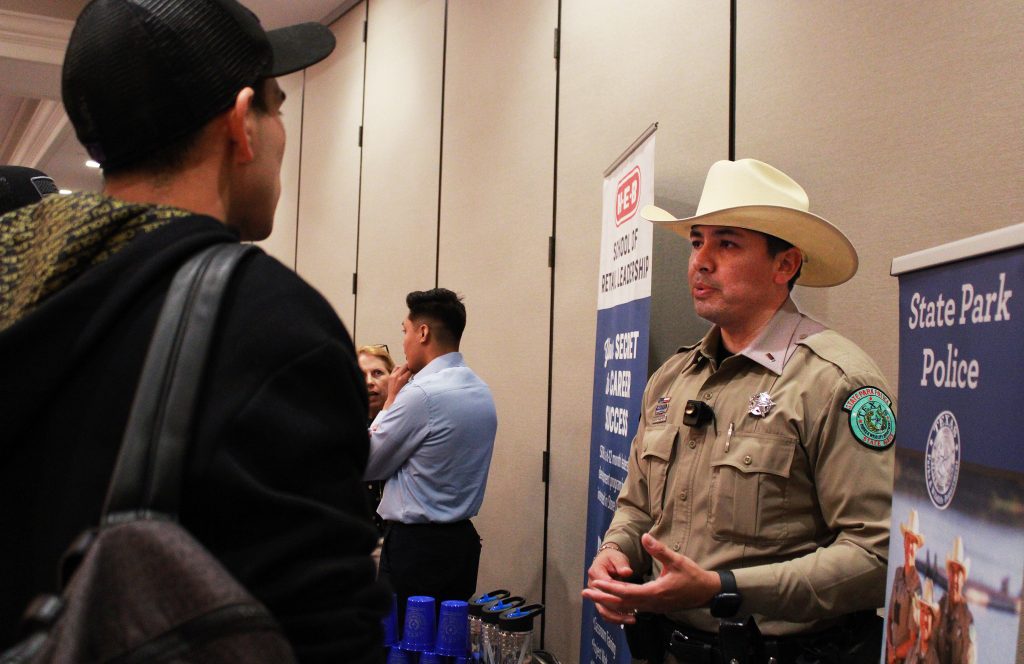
x: 496, y: 216
x: 281, y: 242
x: 401, y: 157
x: 902, y: 121
x: 329, y: 201
x: 624, y: 65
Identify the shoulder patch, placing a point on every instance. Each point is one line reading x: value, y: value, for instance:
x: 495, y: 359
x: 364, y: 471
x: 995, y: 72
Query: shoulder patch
x: 871, y: 418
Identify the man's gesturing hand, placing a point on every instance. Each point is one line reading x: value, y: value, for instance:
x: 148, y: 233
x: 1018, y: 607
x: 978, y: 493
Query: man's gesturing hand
x: 609, y: 565
x: 682, y: 584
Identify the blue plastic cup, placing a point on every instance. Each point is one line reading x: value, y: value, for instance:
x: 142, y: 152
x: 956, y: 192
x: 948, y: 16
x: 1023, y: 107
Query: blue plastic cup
x: 398, y: 656
x: 390, y: 624
x: 418, y: 632
x: 453, y: 629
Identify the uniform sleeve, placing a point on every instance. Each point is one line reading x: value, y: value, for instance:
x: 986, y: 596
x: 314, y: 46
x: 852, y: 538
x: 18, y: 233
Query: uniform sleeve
x: 854, y: 490
x: 397, y: 432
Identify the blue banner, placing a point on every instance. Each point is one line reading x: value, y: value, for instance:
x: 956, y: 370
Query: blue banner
x: 620, y: 365
x: 962, y: 351
x: 959, y: 467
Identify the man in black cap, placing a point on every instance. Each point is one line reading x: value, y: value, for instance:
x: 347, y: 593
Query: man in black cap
x: 21, y: 185
x: 178, y: 103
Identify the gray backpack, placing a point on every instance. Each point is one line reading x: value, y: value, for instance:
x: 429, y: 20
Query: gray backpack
x: 139, y: 588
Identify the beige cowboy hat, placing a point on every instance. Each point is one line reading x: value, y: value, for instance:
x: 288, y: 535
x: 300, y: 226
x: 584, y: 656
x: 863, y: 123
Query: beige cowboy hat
x: 912, y: 529
x: 927, y: 598
x: 957, y: 556
x: 750, y: 194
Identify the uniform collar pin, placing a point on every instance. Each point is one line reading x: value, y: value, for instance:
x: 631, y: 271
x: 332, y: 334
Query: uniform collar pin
x: 761, y: 404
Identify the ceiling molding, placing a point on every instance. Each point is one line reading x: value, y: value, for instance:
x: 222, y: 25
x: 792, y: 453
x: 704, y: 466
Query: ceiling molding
x: 23, y: 110
x: 339, y: 11
x: 33, y: 38
x: 41, y: 133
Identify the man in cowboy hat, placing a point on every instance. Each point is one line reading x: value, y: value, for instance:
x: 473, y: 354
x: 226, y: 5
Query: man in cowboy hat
x: 760, y: 479
x: 956, y: 625
x: 906, y: 585
x: 927, y: 614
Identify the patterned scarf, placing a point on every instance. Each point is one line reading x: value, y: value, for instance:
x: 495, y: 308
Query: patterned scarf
x: 46, y: 246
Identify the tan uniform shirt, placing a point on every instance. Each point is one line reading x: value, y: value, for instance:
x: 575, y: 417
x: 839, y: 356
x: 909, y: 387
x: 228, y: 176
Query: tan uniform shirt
x: 791, y: 502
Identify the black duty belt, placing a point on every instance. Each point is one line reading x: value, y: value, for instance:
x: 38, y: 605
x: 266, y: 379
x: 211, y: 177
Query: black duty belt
x: 692, y: 646
x: 846, y: 642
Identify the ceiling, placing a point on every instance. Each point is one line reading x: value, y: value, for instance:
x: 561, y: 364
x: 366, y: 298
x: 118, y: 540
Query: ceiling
x: 34, y: 131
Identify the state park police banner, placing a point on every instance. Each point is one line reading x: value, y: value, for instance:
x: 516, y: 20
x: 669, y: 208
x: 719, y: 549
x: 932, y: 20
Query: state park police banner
x: 960, y: 449
x: 620, y: 362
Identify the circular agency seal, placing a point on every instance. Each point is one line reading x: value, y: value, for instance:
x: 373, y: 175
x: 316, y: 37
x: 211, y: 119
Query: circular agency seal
x: 871, y: 418
x: 942, y: 459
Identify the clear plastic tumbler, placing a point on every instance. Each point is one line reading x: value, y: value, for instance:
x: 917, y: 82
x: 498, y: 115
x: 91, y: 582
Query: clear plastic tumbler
x: 476, y: 624
x: 489, y: 647
x: 515, y: 634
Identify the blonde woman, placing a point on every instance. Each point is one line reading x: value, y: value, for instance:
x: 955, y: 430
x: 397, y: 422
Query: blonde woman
x: 376, y: 364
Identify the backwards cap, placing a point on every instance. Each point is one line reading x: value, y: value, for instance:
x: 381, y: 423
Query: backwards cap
x: 141, y: 74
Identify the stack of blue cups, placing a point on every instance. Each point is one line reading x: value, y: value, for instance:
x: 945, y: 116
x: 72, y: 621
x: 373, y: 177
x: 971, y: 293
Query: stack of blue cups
x: 420, y: 642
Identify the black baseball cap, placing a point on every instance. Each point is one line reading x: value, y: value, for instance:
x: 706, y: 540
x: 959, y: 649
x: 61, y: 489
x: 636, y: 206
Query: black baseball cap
x: 21, y: 185
x: 140, y: 74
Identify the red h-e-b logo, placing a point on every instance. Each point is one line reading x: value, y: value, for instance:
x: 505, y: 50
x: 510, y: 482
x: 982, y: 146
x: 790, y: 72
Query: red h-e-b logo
x: 627, y: 199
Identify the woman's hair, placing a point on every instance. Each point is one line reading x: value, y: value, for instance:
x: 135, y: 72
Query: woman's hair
x: 378, y: 350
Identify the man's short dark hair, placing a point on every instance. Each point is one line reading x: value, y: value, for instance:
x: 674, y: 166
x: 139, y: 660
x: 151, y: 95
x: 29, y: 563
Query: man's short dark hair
x: 441, y: 307
x: 776, y: 246
x: 171, y: 158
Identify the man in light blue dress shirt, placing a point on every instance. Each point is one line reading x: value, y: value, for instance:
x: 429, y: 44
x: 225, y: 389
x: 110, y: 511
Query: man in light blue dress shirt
x: 432, y: 442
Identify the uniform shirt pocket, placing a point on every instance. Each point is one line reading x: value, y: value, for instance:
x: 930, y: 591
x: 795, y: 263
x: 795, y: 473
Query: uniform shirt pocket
x: 659, y: 445
x: 749, y: 487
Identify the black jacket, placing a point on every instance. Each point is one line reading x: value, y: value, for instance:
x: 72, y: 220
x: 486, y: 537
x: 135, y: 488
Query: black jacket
x: 274, y: 482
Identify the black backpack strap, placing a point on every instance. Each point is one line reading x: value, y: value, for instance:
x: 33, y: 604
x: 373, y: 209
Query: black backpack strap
x: 147, y: 476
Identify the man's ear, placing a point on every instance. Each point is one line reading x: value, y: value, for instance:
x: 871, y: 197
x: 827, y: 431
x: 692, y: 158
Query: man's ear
x: 786, y: 264
x: 240, y: 126
x: 424, y: 333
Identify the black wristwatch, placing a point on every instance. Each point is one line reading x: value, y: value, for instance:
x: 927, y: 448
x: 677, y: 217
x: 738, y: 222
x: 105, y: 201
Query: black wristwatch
x: 726, y: 603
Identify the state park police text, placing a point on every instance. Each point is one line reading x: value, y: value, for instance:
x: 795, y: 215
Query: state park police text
x: 947, y: 368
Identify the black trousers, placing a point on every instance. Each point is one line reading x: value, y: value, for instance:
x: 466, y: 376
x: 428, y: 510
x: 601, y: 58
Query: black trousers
x: 439, y: 560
